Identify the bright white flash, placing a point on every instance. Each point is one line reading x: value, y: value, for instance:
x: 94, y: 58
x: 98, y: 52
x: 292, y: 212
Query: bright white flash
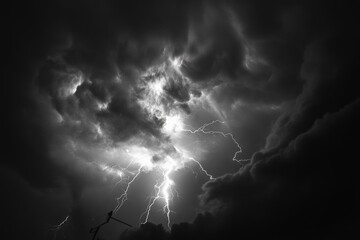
x: 145, y: 154
x: 173, y: 124
x: 156, y: 88
x: 176, y: 63
x: 168, y: 155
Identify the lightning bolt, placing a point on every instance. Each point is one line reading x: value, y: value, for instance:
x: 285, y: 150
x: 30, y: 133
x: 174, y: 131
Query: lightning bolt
x: 202, y: 130
x: 152, y: 200
x: 202, y: 169
x: 168, y: 195
x: 162, y: 191
x: 57, y: 227
x: 165, y: 191
x: 152, y: 103
x: 123, y: 197
x: 152, y: 100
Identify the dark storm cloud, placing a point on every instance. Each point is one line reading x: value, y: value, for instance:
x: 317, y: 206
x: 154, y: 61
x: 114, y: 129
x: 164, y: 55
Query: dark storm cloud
x: 53, y: 45
x: 223, y: 49
x: 303, y: 190
x: 306, y: 186
x: 177, y: 89
x: 303, y: 184
x: 94, y: 40
x: 214, y: 45
x: 329, y: 73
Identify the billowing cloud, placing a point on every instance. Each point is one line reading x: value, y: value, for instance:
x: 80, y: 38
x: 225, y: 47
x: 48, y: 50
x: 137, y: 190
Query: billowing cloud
x: 94, y: 83
x: 302, y: 184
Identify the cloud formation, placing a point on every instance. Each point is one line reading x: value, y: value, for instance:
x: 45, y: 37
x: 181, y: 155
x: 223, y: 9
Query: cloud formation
x: 303, y: 185
x: 285, y: 70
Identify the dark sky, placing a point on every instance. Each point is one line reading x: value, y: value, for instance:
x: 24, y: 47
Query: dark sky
x: 92, y: 88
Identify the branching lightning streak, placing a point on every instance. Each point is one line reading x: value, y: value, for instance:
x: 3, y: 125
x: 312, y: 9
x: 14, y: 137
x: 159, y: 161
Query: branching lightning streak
x: 202, y: 130
x: 154, y: 96
x: 152, y: 103
x: 167, y: 197
x: 123, y: 197
x: 202, y: 169
x: 162, y: 191
x: 125, y: 169
x: 56, y: 228
x: 152, y: 200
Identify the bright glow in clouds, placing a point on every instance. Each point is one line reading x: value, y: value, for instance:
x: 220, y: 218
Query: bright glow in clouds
x: 176, y: 64
x: 70, y: 84
x: 161, y: 154
x: 172, y: 125
x: 168, y: 154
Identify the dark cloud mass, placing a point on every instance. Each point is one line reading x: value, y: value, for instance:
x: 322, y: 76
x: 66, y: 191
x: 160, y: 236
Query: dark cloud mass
x: 283, y: 75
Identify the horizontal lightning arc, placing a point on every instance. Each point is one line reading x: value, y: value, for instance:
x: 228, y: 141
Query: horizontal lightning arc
x: 202, y: 130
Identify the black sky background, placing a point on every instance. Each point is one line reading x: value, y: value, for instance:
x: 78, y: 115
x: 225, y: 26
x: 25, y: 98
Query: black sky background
x: 299, y: 57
